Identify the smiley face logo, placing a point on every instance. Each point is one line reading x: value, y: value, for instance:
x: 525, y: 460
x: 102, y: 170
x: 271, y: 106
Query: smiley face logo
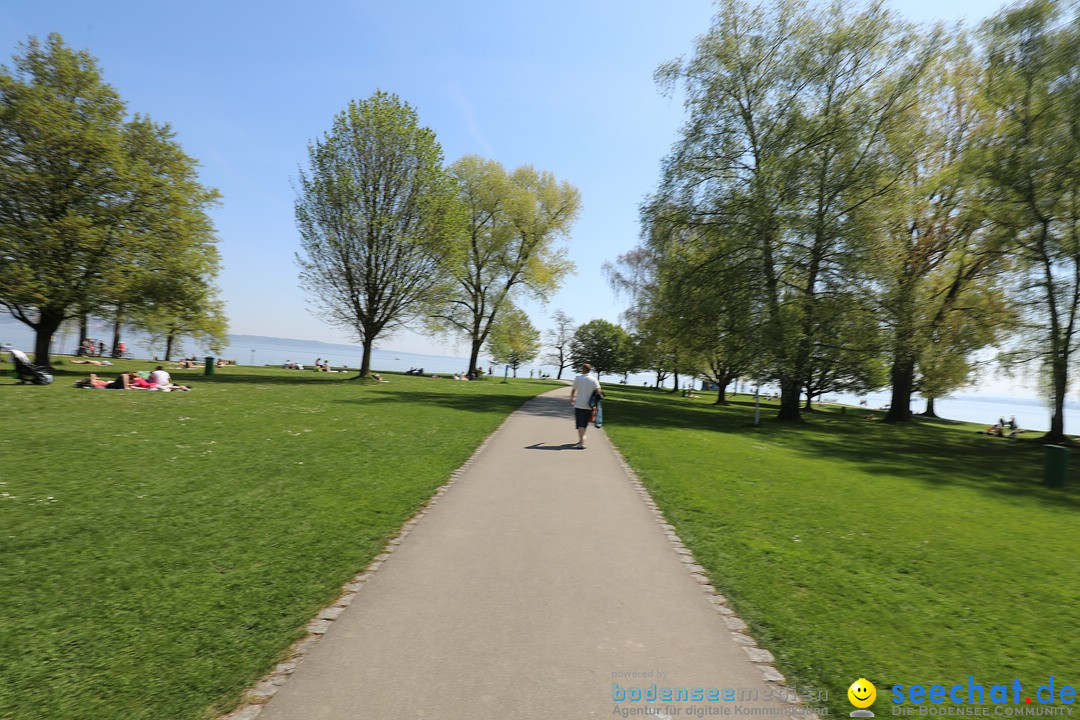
x: 862, y: 693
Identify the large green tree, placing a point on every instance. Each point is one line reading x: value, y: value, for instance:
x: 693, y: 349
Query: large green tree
x: 690, y: 312
x: 938, y: 270
x: 604, y: 345
x: 951, y: 359
x: 87, y: 199
x: 168, y: 285
x: 377, y: 216
x: 782, y: 153
x: 508, y: 246
x: 513, y: 340
x: 847, y: 354
x: 1030, y: 164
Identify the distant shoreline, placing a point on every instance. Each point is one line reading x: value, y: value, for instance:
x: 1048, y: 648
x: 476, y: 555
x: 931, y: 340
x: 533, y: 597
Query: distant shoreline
x: 261, y: 350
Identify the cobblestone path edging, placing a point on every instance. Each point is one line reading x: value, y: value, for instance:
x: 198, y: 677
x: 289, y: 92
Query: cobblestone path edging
x: 761, y: 658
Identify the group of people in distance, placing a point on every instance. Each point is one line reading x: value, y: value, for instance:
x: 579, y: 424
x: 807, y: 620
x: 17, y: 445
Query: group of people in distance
x: 1003, y: 429
x: 90, y: 347
x: 193, y: 362
x: 323, y: 365
x: 158, y: 379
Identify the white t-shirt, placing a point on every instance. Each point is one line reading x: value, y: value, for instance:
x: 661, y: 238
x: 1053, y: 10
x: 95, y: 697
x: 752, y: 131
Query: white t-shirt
x: 160, y: 377
x: 584, y: 386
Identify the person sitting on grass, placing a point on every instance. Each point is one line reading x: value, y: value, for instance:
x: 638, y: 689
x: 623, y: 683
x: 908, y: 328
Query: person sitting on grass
x: 163, y: 381
x: 999, y: 431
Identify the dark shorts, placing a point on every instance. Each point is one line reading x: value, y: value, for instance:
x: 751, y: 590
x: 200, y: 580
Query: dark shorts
x: 582, y: 417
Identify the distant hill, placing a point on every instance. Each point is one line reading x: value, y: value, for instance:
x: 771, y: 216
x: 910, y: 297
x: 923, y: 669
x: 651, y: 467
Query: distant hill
x: 239, y: 341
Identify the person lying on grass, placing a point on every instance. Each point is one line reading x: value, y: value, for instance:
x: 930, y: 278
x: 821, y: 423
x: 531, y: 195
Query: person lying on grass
x: 127, y: 381
x: 122, y: 382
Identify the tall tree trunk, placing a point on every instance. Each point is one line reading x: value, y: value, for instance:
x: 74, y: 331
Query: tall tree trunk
x: 790, y: 394
x: 117, y: 324
x: 676, y: 388
x: 721, y: 393
x: 929, y: 411
x: 902, y: 372
x: 365, y: 362
x: 1057, y: 417
x: 47, y: 325
x: 809, y: 400
x: 169, y: 339
x: 474, y: 357
x: 902, y: 377
x: 84, y: 327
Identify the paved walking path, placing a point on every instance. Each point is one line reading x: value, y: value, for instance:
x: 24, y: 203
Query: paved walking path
x: 539, y: 581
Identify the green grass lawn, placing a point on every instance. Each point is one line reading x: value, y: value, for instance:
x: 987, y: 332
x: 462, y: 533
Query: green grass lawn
x: 904, y: 554
x: 160, y: 550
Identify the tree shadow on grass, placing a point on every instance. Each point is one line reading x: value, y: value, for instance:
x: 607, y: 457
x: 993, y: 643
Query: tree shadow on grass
x: 934, y: 452
x: 297, y: 377
x: 479, y: 401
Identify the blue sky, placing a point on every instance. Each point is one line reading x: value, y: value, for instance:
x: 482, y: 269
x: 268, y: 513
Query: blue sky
x: 563, y: 86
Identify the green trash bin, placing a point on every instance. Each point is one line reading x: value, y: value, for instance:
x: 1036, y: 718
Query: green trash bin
x: 1055, y: 466
x: 210, y: 365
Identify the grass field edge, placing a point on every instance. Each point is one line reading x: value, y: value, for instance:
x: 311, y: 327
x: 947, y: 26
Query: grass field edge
x: 255, y: 698
x: 740, y: 631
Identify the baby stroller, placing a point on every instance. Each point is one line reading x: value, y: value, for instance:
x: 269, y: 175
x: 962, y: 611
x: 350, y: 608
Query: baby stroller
x: 25, y: 370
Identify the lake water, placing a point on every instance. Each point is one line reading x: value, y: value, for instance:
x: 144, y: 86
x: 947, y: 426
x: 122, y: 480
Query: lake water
x: 1030, y: 413
x: 259, y: 351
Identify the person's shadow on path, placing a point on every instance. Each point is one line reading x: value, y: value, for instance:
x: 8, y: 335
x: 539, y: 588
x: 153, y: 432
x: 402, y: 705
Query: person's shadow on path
x: 553, y: 407
x: 542, y: 446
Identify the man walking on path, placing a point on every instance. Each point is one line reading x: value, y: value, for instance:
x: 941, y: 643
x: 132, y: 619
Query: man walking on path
x: 581, y: 398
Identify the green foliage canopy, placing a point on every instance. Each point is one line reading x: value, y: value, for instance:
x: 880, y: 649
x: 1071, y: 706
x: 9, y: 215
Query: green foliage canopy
x: 507, y: 245
x: 604, y: 345
x: 377, y: 216
x: 514, y: 340
x: 95, y: 212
